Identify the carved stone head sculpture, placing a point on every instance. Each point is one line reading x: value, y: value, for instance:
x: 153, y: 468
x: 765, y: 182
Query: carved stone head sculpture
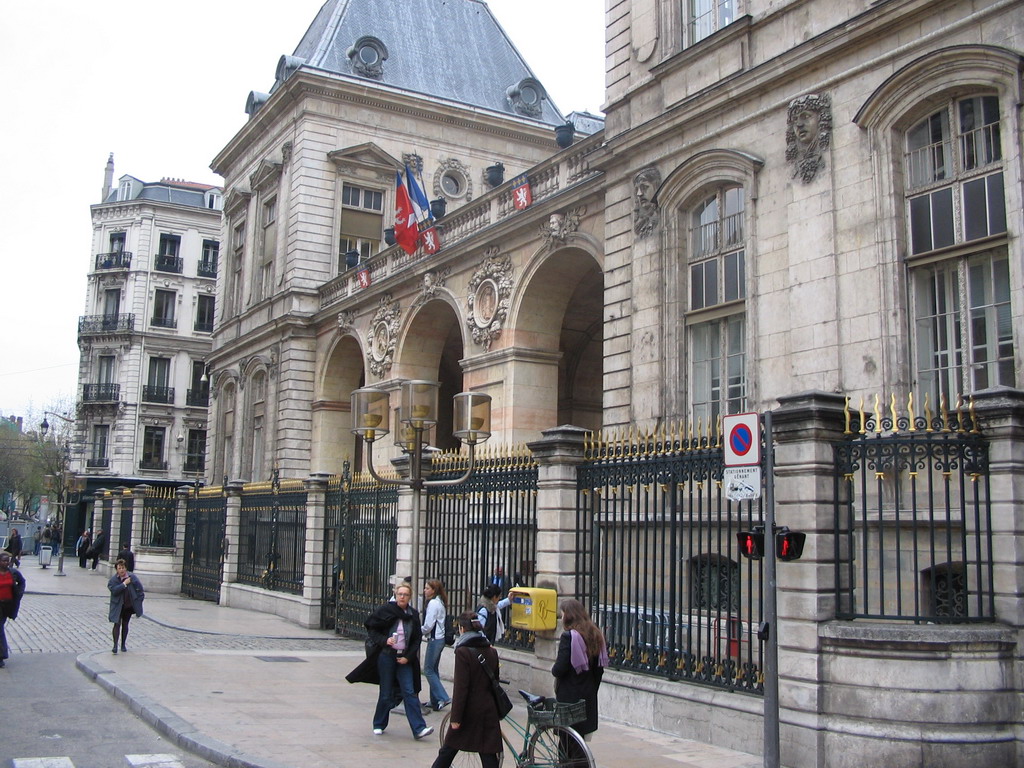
x: 808, y: 134
x: 645, y: 210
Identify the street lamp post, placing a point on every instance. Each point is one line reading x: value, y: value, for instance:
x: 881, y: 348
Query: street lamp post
x: 418, y: 413
x: 63, y: 462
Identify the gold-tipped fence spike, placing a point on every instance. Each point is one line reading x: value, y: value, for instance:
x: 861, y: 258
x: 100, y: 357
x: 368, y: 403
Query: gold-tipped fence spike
x: 878, y: 414
x: 892, y: 410
x: 700, y: 430
x: 861, y: 429
x: 846, y: 416
x: 944, y: 410
x: 928, y: 415
x: 974, y: 417
x: 910, y: 412
x: 960, y: 412
x: 718, y: 432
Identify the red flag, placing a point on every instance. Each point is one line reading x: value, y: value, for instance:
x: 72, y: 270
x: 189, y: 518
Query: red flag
x: 522, y: 195
x: 407, y: 232
x: 431, y: 240
x: 363, y: 277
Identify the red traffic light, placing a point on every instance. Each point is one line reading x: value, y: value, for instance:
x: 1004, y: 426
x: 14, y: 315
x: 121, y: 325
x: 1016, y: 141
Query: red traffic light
x: 751, y: 544
x: 789, y: 545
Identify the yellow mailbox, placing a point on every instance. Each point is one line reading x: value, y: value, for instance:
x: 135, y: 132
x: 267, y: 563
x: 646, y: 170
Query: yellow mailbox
x: 534, y: 608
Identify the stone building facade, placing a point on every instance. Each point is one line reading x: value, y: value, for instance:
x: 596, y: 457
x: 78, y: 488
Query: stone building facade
x: 790, y: 203
x: 146, y: 333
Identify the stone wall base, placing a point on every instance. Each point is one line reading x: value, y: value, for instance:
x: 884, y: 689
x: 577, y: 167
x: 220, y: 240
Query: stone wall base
x: 294, y: 608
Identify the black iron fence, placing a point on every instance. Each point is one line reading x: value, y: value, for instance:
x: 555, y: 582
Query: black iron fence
x: 657, y: 562
x: 913, y: 533
x: 272, y: 535
x: 159, y: 509
x: 202, y: 565
x: 483, y: 530
x: 367, y: 547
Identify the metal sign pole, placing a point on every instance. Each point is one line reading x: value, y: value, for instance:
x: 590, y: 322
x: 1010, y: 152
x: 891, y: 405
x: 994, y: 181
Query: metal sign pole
x: 771, y: 648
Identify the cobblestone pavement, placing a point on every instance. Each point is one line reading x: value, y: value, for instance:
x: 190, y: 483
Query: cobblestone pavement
x: 75, y: 624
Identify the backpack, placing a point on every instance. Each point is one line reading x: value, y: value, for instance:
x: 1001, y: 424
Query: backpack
x: 491, y: 626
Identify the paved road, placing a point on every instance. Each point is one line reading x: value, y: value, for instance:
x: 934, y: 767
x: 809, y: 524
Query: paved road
x: 51, y: 710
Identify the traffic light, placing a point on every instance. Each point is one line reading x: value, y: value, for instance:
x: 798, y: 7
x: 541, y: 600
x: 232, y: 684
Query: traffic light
x: 789, y: 545
x: 751, y: 543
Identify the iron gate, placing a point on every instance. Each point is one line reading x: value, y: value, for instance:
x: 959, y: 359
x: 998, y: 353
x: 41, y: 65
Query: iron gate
x: 202, y: 568
x: 367, y: 549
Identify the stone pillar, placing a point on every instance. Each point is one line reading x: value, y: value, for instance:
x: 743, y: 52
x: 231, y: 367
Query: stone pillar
x: 127, y: 499
x: 1000, y: 413
x: 557, y: 454
x: 805, y: 427
x: 114, y: 536
x: 313, y: 567
x: 97, y: 511
x: 181, y: 510
x: 232, y: 524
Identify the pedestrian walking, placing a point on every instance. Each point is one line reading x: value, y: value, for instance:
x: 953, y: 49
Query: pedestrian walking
x: 37, y: 540
x: 127, y: 555
x: 12, y: 587
x: 392, y: 653
x: 97, y: 547
x: 126, y: 596
x: 474, y: 725
x: 82, y: 547
x: 57, y: 539
x: 579, y: 665
x: 434, y: 624
x: 14, y: 547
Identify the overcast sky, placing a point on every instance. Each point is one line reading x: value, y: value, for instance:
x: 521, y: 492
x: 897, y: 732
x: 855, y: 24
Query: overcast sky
x: 163, y: 87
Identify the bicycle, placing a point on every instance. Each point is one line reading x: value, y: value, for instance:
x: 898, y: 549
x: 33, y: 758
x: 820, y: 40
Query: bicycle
x: 548, y: 741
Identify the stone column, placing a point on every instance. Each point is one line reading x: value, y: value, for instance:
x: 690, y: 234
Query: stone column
x: 232, y: 525
x: 557, y: 454
x: 313, y: 567
x: 97, y: 511
x: 128, y: 502
x: 1000, y: 413
x: 181, y: 510
x: 114, y: 536
x: 805, y: 427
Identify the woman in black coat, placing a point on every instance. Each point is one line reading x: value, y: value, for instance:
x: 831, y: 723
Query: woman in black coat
x: 392, y: 655
x: 474, y: 725
x: 12, y: 587
x: 579, y: 666
x: 126, y: 596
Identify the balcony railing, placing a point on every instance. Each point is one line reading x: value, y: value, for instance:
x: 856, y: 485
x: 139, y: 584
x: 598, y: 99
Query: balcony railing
x: 202, y: 326
x: 165, y: 263
x: 152, y: 464
x: 92, y: 325
x: 163, y: 322
x: 101, y: 393
x: 198, y: 397
x: 556, y: 176
x: 154, y: 394
x: 97, y: 463
x: 207, y: 268
x: 114, y: 260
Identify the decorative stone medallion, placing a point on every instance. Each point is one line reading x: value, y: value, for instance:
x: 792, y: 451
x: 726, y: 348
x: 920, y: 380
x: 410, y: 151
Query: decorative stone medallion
x: 488, y: 300
x: 383, y: 335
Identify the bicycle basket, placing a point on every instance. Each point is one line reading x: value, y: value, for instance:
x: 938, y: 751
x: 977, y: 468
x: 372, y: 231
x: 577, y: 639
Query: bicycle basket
x: 558, y: 713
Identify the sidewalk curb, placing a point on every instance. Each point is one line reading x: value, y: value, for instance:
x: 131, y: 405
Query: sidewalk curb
x: 180, y: 731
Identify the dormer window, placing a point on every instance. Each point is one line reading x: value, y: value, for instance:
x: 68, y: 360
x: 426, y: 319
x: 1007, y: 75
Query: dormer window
x: 214, y: 200
x: 367, y: 56
x: 526, y: 97
x: 124, y: 191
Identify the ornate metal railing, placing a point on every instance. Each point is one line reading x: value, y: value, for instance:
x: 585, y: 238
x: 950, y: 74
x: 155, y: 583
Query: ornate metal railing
x: 158, y: 464
x: 92, y: 325
x: 114, y: 260
x: 657, y: 562
x: 202, y: 326
x: 101, y: 393
x: 913, y: 529
x: 207, y: 268
x: 486, y: 523
x: 158, y: 514
x: 272, y: 535
x: 199, y: 398
x: 97, y: 462
x: 154, y: 394
x: 163, y: 322
x: 561, y: 172
x: 367, y: 546
x: 165, y: 263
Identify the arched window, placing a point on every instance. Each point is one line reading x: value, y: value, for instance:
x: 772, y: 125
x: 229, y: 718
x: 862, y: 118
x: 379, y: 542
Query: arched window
x: 715, y: 318
x: 953, y: 166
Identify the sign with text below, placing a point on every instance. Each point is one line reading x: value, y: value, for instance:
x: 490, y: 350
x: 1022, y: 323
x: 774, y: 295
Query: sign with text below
x: 742, y: 439
x: 742, y: 483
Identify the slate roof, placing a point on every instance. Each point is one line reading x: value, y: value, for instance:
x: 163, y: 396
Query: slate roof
x: 449, y: 49
x: 166, y: 190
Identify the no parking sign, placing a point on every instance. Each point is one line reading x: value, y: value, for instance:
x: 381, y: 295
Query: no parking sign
x: 742, y: 455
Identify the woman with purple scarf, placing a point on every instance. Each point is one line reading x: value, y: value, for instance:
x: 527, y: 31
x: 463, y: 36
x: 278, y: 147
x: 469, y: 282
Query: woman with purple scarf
x: 579, y: 666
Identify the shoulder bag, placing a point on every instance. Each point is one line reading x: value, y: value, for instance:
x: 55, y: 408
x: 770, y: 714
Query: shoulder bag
x: 501, y: 699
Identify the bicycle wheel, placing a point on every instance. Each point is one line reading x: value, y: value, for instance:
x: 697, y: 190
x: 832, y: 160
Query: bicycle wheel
x: 463, y: 759
x: 556, y: 746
